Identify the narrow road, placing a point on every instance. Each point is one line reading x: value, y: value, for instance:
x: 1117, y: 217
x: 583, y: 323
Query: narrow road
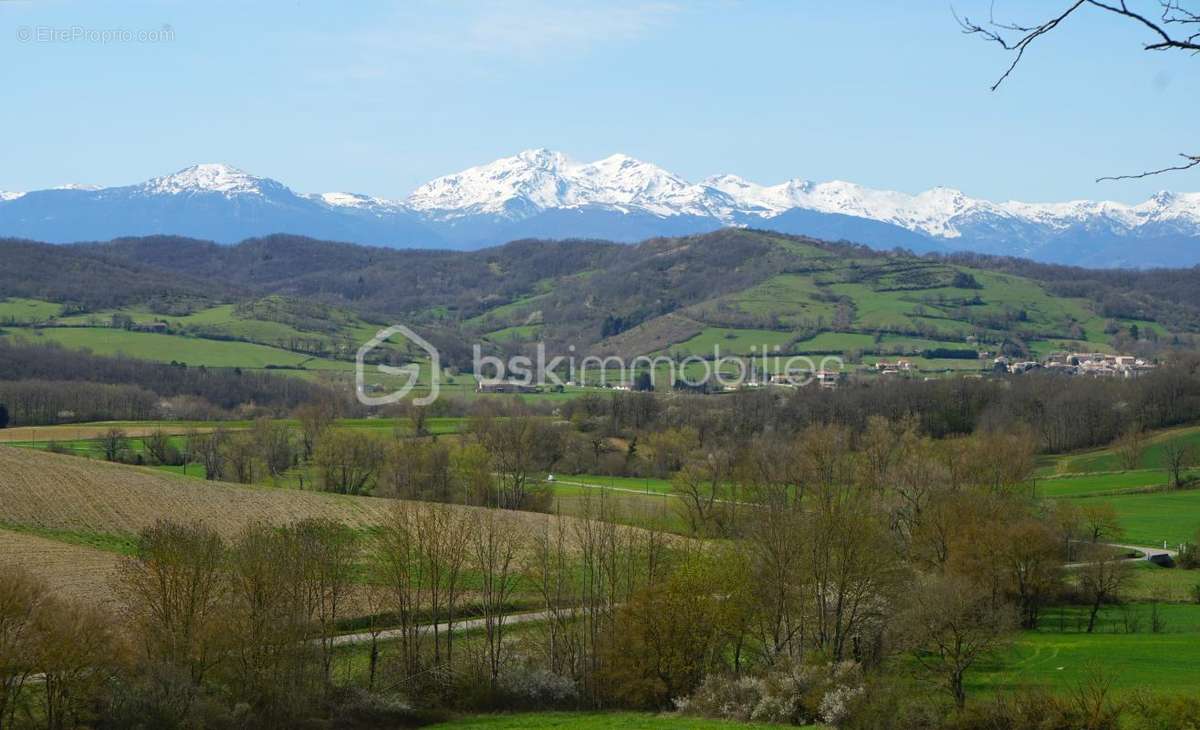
x: 631, y: 490
x: 459, y: 626
x: 1148, y: 554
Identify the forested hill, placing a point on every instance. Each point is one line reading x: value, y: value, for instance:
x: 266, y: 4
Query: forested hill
x: 733, y: 287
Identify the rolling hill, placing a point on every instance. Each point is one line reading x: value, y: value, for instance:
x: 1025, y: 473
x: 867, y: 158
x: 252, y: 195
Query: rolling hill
x: 302, y: 304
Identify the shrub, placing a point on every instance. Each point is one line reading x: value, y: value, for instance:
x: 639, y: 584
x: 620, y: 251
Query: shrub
x: 795, y: 694
x: 354, y: 707
x: 1189, y: 556
x: 537, y: 689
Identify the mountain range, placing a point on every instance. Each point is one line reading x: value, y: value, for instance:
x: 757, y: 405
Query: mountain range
x: 545, y: 194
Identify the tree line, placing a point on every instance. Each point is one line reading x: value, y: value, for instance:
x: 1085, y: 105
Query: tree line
x: 47, y: 383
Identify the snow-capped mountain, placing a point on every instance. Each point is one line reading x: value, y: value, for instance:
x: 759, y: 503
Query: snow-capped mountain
x: 542, y: 193
x: 210, y: 178
x: 213, y: 201
x: 538, y: 180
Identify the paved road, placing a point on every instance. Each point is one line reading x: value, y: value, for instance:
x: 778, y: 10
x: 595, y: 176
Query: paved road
x: 1148, y: 553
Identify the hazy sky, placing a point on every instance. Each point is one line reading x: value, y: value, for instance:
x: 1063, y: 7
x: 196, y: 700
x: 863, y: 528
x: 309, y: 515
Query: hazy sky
x: 378, y: 97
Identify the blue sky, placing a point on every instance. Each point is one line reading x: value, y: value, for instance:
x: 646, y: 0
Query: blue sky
x: 378, y: 97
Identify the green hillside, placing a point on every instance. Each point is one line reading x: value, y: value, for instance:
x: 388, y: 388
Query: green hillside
x: 741, y: 292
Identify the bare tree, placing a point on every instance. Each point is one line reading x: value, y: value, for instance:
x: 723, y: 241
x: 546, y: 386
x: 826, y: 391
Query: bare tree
x: 209, y: 448
x: 327, y: 553
x: 1178, y: 456
x: 158, y: 446
x: 1131, y: 447
x: 397, y: 567
x: 518, y: 449
x: 1017, y: 38
x: 266, y: 622
x: 314, y: 419
x: 1100, y: 522
x: 77, y: 657
x: 273, y: 440
x: 374, y: 601
x: 173, y: 591
x: 21, y: 598
x: 114, y: 443
x: 348, y: 462
x: 494, y: 545
x: 1102, y: 578
x: 700, y: 486
x: 949, y: 624
x: 240, y: 455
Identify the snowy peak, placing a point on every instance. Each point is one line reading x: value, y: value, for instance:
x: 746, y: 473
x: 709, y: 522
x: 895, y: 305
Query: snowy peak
x: 620, y: 198
x: 357, y: 202
x: 537, y: 180
x: 210, y: 178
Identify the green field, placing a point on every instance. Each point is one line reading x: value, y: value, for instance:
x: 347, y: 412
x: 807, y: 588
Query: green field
x: 1154, y: 517
x: 1107, y: 459
x: 26, y: 311
x: 591, y: 721
x: 107, y: 542
x: 1059, y: 655
x: 729, y: 341
x: 1081, y: 485
x: 168, y: 348
x: 895, y: 307
x: 1148, y: 512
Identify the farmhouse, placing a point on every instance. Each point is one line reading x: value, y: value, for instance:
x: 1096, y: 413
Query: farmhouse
x: 900, y: 366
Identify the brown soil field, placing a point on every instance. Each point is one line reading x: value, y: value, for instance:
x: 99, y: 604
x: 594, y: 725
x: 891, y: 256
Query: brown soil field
x: 72, y: 571
x: 72, y: 493
x: 68, y: 492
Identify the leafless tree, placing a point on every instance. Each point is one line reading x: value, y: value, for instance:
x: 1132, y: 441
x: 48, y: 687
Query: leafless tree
x: 327, y: 553
x: 494, y: 542
x: 21, y: 598
x: 1100, y: 522
x: 1173, y: 27
x: 701, y: 487
x: 949, y: 624
x: 1177, y: 457
x: 114, y: 442
x: 1131, y: 447
x: 173, y: 592
x: 209, y: 449
x: 158, y: 445
x: 1102, y: 578
x: 348, y: 462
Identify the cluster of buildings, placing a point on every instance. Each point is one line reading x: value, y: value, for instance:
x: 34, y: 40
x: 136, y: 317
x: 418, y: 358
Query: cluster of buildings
x: 1095, y: 364
x: 822, y: 378
x: 883, y: 367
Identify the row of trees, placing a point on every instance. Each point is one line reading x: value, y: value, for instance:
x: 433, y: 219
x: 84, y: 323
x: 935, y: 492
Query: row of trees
x: 46, y: 384
x: 1062, y: 413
